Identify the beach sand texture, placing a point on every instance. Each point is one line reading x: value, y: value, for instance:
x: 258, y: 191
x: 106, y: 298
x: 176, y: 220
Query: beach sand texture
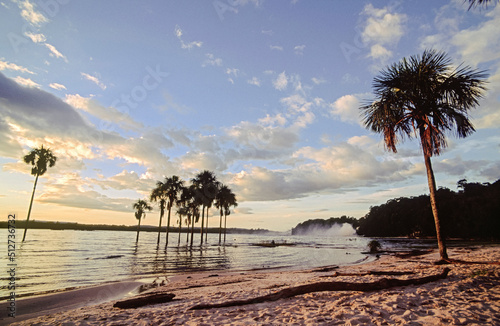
x: 469, y: 295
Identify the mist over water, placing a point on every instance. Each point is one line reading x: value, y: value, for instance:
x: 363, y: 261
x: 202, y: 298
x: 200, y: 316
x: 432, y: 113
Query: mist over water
x: 336, y: 230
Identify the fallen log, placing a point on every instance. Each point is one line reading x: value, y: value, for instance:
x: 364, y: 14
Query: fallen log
x: 144, y: 300
x: 326, y: 286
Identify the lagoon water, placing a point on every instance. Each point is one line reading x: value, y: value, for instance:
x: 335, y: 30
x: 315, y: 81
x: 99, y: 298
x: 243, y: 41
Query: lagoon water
x: 59, y: 259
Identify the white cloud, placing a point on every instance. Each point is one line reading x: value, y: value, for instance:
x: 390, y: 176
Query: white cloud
x: 54, y: 52
x: 57, y: 86
x: 281, y: 82
x: 383, y: 28
x: 94, y: 79
x: 299, y: 49
x: 347, y: 108
x: 30, y: 14
x: 184, y: 45
x: 254, y: 81
x: 211, y: 60
x: 27, y: 82
x: 12, y: 66
x: 276, y: 47
x: 318, y: 81
x: 36, y: 38
x: 110, y: 114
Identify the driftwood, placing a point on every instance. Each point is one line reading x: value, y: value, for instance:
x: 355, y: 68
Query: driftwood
x: 391, y: 273
x: 326, y: 286
x: 144, y: 300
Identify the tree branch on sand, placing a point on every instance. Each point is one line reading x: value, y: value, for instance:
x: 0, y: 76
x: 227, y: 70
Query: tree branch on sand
x: 327, y: 286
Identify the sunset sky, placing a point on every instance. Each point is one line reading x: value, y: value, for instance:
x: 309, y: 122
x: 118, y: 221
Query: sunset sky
x: 264, y: 93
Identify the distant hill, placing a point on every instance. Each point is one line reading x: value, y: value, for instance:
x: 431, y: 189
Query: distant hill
x: 313, y: 225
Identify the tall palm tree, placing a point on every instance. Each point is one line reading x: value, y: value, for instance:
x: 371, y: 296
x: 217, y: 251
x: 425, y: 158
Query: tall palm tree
x: 224, y: 199
x: 173, y: 186
x: 140, y: 207
x: 40, y: 159
x: 206, y: 186
x: 423, y: 96
x: 159, y: 195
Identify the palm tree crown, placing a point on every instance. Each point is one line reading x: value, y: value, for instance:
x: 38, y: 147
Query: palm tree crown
x: 424, y: 96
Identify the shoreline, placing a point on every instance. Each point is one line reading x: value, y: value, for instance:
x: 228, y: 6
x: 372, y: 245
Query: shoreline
x: 469, y: 294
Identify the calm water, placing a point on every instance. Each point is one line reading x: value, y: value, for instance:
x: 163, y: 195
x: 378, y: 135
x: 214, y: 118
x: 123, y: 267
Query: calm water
x: 51, y: 260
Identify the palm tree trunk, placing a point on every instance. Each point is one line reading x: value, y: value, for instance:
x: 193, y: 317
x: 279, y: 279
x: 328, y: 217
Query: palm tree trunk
x: 180, y: 226
x: 138, y: 230
x: 206, y: 229
x: 168, y: 224
x: 432, y: 190
x: 159, y: 227
x: 225, y: 226
x: 202, y: 223
x: 29, y: 209
x: 192, y: 230
x: 187, y: 231
x: 220, y: 225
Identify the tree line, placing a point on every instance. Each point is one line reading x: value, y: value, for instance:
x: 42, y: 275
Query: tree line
x: 203, y: 192
x: 471, y: 212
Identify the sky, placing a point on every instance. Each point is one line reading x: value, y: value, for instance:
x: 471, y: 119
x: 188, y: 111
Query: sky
x: 264, y: 93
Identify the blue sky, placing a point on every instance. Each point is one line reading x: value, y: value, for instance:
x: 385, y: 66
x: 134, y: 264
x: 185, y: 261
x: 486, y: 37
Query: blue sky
x: 263, y: 93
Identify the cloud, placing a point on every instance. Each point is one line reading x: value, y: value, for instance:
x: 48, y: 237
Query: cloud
x: 27, y: 82
x: 281, y: 82
x: 4, y: 65
x: 211, y: 60
x: 347, y: 108
x: 383, y: 28
x: 57, y: 86
x: 95, y: 80
x: 299, y: 49
x: 55, y: 53
x: 30, y: 14
x: 318, y: 81
x: 110, y: 114
x: 188, y: 46
x: 36, y: 38
x: 254, y: 81
x: 276, y: 47
x: 336, y: 168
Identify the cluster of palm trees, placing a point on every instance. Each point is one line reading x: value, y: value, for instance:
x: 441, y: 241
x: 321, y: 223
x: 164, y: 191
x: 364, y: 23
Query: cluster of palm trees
x: 203, y: 192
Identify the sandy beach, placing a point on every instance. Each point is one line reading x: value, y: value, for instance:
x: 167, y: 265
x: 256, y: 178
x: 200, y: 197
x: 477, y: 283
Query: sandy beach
x: 468, y: 295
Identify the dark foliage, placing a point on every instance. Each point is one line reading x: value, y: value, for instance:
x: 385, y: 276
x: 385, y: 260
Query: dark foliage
x: 471, y: 212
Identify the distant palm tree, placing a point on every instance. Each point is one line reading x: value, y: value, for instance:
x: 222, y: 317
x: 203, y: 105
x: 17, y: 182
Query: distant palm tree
x: 159, y: 195
x: 224, y: 199
x: 40, y: 159
x: 423, y: 96
x: 173, y: 186
x: 206, y: 187
x: 140, y: 206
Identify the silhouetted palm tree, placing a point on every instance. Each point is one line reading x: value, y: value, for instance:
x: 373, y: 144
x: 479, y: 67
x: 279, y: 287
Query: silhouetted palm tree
x: 206, y: 187
x: 477, y: 3
x: 423, y: 96
x: 223, y: 201
x: 159, y: 195
x: 40, y: 159
x: 173, y: 186
x: 140, y: 207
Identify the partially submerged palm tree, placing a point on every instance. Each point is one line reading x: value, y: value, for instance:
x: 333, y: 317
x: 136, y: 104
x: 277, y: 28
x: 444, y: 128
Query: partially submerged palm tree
x: 140, y: 212
x: 173, y: 186
x: 159, y: 195
x: 206, y: 187
x: 223, y: 201
x: 40, y: 159
x: 423, y: 96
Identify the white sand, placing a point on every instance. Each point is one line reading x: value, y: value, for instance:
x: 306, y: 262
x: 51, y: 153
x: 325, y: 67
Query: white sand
x: 470, y: 295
